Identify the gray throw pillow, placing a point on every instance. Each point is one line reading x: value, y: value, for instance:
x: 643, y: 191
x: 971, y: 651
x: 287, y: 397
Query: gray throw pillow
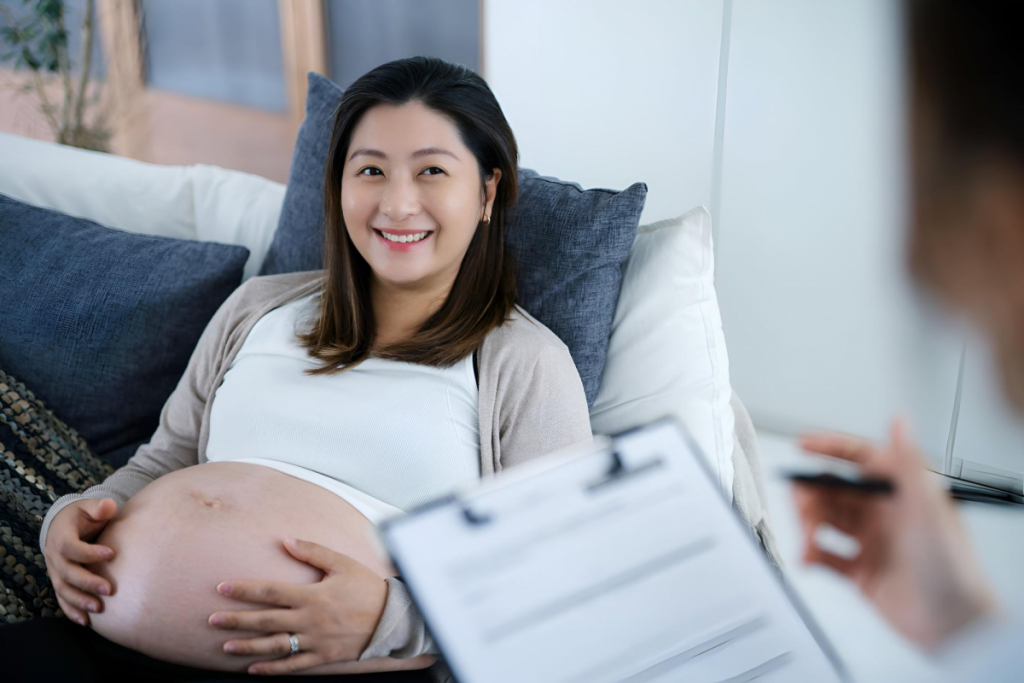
x: 569, y: 243
x: 103, y: 322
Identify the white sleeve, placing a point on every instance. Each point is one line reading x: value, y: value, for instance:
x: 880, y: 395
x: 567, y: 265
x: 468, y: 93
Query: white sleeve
x: 988, y: 650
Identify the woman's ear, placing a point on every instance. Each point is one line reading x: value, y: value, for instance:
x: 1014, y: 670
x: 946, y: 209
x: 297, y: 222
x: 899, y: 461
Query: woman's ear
x: 490, y: 191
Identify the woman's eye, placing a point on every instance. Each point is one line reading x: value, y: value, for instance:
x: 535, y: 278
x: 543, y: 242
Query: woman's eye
x: 370, y: 168
x: 433, y: 168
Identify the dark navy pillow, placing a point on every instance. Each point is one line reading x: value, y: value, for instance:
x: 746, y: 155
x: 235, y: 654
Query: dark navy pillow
x: 103, y: 322
x: 569, y: 243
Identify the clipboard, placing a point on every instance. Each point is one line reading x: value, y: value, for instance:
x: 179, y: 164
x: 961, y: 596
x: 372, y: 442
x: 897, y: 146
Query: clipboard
x: 620, y: 560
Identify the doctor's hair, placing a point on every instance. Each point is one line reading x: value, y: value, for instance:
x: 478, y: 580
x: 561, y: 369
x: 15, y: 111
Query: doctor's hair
x: 965, y: 62
x: 484, y: 292
x: 966, y: 123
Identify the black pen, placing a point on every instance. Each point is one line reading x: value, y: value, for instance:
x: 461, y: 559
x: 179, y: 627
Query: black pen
x: 872, y: 486
x: 958, y: 491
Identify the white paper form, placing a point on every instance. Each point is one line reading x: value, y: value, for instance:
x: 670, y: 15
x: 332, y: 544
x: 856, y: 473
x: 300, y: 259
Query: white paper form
x: 622, y: 564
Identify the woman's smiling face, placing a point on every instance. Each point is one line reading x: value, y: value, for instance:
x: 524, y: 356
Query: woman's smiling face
x: 411, y: 194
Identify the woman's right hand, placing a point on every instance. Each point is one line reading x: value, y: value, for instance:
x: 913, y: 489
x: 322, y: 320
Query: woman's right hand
x: 68, y: 547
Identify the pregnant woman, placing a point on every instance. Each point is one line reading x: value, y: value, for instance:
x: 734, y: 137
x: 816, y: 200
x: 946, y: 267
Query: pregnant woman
x: 318, y: 403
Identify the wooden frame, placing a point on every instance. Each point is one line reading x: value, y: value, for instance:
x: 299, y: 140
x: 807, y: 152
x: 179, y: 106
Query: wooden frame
x: 481, y: 64
x: 126, y: 78
x: 303, y: 48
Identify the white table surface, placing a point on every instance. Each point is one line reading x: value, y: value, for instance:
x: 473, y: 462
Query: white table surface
x: 871, y: 650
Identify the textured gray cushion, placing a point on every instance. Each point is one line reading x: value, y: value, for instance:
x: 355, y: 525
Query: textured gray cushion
x: 102, y: 322
x: 298, y: 241
x: 41, y: 459
x: 569, y: 243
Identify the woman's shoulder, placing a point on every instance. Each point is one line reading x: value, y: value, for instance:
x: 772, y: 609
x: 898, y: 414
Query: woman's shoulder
x: 523, y: 342
x: 252, y: 299
x: 524, y: 334
x: 264, y: 292
x: 261, y: 288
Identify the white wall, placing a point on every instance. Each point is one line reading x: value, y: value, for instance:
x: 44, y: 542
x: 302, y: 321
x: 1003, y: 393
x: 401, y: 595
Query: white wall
x: 823, y: 327
x: 807, y: 181
x: 607, y: 93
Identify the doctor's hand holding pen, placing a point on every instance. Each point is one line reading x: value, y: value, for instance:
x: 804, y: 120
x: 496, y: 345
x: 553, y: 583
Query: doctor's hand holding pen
x: 915, y: 564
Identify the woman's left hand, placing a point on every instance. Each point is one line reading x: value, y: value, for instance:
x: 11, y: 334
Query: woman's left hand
x: 334, y: 619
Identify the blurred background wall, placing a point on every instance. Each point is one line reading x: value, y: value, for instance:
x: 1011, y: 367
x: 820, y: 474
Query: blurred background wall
x: 824, y: 328
x: 785, y: 118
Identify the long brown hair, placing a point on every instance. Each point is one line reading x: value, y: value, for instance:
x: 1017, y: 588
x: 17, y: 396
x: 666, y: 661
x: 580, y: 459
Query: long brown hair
x: 484, y: 291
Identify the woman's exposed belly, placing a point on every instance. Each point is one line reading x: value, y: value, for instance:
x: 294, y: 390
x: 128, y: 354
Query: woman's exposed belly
x: 189, y: 530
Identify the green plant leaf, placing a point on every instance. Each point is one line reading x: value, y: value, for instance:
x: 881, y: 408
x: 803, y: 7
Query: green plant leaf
x: 29, y: 59
x: 51, y: 10
x: 12, y: 35
x: 57, y: 37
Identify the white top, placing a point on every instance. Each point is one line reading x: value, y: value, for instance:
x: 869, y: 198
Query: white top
x: 385, y: 435
x: 986, y: 651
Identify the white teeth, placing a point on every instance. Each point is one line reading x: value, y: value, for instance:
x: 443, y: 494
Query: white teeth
x: 405, y: 238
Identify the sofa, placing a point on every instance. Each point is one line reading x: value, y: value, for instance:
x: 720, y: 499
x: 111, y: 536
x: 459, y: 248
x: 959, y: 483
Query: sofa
x: 652, y: 321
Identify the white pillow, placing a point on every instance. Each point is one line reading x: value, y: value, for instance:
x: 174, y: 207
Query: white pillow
x: 232, y: 207
x: 198, y: 202
x: 113, y: 191
x: 667, y: 352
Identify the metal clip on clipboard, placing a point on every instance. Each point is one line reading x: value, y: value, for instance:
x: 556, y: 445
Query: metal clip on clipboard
x: 618, y: 471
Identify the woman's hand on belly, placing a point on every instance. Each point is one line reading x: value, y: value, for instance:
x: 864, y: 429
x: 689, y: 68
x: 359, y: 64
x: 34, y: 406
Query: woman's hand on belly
x: 333, y: 619
x: 70, y: 548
